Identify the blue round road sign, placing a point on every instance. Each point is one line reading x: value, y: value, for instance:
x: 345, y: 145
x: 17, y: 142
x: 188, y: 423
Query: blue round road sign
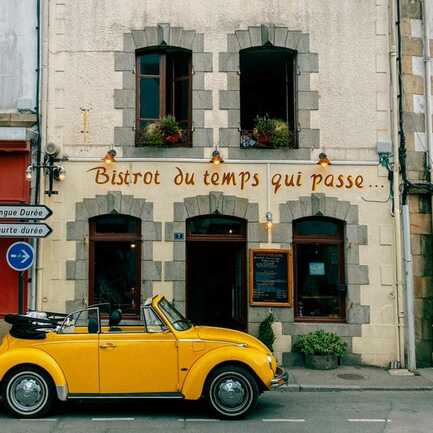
x: 20, y: 256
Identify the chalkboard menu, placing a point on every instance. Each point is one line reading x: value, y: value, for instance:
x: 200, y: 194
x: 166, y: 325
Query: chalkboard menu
x: 270, y: 277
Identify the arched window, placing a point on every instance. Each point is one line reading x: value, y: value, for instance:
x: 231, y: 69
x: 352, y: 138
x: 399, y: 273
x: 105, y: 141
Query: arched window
x: 114, y: 265
x: 267, y: 87
x: 320, y: 289
x: 163, y: 90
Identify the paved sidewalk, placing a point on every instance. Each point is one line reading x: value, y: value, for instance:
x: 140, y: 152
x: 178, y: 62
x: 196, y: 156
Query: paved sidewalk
x: 357, y: 379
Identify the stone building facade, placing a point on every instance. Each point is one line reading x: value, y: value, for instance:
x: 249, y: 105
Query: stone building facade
x: 418, y: 163
x: 339, y: 105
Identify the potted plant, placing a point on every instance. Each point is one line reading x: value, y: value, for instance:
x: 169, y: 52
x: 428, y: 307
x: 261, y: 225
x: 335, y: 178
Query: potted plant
x: 161, y: 132
x: 271, y: 132
x: 321, y: 349
x: 170, y: 129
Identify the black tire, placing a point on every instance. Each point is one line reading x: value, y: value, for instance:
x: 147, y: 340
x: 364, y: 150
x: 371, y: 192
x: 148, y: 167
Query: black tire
x: 231, y: 391
x: 28, y: 392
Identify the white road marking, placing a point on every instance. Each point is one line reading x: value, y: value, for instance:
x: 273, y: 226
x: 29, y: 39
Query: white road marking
x: 199, y: 419
x: 283, y: 420
x: 39, y: 419
x: 113, y: 419
x: 368, y: 420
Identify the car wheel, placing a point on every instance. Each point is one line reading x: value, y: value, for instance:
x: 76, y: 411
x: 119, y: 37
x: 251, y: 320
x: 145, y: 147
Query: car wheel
x: 28, y: 392
x: 231, y: 391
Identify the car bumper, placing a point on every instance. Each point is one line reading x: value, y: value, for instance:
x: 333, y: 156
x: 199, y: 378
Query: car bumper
x: 281, y: 378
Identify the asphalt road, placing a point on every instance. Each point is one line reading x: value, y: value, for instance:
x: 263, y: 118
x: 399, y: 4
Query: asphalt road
x: 299, y: 412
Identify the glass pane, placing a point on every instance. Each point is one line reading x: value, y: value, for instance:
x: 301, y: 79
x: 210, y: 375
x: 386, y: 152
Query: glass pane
x: 149, y: 64
x: 316, y: 228
x: 116, y: 224
x: 181, y: 99
x: 149, y: 98
x: 81, y: 322
x: 319, y: 288
x: 116, y: 274
x: 215, y: 226
x: 152, y: 321
x: 181, y: 66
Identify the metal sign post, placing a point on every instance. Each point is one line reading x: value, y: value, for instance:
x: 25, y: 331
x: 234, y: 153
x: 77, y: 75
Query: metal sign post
x: 20, y: 257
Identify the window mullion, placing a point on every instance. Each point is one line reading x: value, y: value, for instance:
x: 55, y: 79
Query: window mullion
x: 162, y: 85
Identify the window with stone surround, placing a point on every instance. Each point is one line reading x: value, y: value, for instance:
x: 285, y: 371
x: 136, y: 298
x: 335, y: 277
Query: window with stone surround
x: 320, y: 289
x: 164, y: 94
x: 267, y: 97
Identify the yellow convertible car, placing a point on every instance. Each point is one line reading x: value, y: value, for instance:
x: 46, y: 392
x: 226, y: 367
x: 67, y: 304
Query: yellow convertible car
x: 49, y: 356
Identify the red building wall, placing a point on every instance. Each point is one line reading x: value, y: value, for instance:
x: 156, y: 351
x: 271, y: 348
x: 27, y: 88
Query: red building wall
x: 14, y: 188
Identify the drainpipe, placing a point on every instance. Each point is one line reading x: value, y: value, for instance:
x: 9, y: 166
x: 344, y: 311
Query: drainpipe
x: 427, y: 17
x: 399, y: 295
x: 407, y: 250
x: 36, y: 189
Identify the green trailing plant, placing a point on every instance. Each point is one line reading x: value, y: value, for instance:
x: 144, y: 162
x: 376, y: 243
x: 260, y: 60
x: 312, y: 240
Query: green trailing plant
x: 169, y: 126
x: 159, y: 133
x: 266, y: 333
x: 272, y: 132
x: 320, y: 343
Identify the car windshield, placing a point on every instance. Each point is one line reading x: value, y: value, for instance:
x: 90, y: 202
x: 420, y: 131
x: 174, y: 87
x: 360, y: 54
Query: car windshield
x: 179, y: 322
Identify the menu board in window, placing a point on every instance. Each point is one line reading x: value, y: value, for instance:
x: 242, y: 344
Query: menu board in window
x: 270, y: 277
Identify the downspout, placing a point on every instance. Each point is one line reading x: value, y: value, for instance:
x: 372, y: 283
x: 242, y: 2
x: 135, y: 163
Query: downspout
x: 427, y: 19
x: 407, y: 251
x: 428, y: 88
x: 399, y: 296
x: 36, y: 189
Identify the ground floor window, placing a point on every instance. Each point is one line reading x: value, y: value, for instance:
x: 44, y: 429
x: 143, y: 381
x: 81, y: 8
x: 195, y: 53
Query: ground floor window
x: 320, y: 289
x: 114, y: 269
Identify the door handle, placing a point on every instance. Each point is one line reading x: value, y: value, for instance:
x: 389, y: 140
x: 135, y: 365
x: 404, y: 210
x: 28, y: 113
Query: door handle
x: 107, y: 345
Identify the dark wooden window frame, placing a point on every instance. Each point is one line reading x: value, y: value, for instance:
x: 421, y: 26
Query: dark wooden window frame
x: 337, y: 239
x: 94, y: 237
x: 292, y: 58
x: 163, y: 109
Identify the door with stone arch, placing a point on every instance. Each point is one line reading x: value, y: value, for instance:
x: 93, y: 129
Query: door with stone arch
x: 216, y: 288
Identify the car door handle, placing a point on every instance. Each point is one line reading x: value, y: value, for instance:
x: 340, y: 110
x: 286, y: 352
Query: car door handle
x: 107, y: 345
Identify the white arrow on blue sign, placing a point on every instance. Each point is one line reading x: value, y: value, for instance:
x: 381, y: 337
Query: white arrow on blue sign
x: 20, y: 256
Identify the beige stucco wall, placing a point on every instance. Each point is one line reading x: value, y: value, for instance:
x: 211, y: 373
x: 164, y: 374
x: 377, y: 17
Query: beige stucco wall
x: 349, y: 37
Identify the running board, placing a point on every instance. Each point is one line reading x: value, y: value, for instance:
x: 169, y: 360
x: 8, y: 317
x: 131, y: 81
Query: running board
x: 176, y: 395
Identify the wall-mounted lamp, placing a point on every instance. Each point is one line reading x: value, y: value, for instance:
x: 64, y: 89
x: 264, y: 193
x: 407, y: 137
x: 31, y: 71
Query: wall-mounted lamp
x: 323, y: 160
x: 51, y: 170
x: 216, y: 157
x: 268, y: 217
x: 110, y: 156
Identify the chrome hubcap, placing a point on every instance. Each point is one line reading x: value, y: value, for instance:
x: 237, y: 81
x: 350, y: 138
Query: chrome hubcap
x: 231, y: 393
x: 27, y: 393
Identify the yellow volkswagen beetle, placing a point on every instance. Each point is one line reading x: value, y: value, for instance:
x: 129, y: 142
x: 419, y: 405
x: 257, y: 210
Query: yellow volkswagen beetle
x: 48, y: 356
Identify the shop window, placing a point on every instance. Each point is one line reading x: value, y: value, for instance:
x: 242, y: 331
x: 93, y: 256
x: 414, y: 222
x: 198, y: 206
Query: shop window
x: 114, y: 265
x: 164, y: 93
x: 320, y: 288
x: 267, y: 87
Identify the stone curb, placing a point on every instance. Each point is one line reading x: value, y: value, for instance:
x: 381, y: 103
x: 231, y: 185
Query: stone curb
x: 328, y: 388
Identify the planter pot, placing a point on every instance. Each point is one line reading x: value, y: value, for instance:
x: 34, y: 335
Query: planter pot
x: 172, y: 138
x: 263, y: 138
x: 321, y: 362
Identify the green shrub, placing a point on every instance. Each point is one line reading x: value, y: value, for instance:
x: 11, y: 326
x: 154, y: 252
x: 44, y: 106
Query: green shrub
x: 320, y: 343
x: 266, y: 333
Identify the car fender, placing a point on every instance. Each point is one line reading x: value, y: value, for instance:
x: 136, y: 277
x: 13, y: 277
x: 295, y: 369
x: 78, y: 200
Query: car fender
x: 15, y: 357
x: 192, y: 388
